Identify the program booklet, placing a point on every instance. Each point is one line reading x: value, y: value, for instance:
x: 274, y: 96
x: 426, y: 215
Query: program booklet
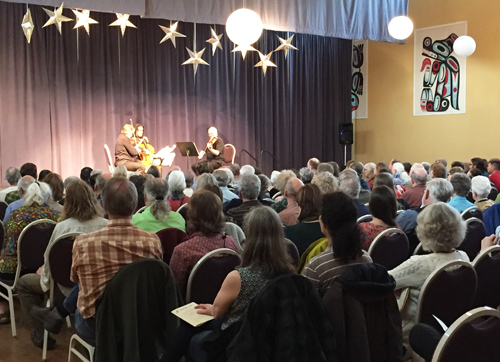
x: 190, y: 315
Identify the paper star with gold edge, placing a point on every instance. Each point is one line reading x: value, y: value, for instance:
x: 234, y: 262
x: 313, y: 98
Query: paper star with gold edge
x: 195, y: 59
x: 28, y: 25
x: 265, y: 62
x: 215, y: 41
x: 286, y: 45
x: 243, y: 48
x: 171, y: 33
x: 83, y: 19
x: 123, y: 22
x: 56, y: 17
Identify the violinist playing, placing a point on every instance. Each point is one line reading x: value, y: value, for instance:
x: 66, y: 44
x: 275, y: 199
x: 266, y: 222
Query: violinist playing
x: 143, y: 146
x: 214, y: 151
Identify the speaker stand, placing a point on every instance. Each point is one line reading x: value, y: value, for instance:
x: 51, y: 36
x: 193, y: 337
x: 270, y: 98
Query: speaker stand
x: 345, y: 155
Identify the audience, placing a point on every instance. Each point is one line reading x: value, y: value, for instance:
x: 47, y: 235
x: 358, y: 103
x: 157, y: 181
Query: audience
x: 326, y: 182
x: 249, y: 189
x: 290, y: 214
x: 189, y: 176
x: 493, y: 170
x: 205, y: 179
x: 137, y: 180
x: 438, y: 171
x: 476, y: 163
x: 325, y: 167
x: 22, y: 186
x: 57, y: 191
x: 12, y: 175
x: 176, y: 187
x: 349, y: 184
x: 28, y: 169
x: 281, y: 181
x: 120, y: 171
x: 43, y: 174
x: 418, y: 180
x: 154, y: 171
x: 312, y: 164
x: 224, y: 177
x: 369, y: 173
x: 481, y: 188
x: 306, y: 175
x: 84, y: 174
x: 461, y: 186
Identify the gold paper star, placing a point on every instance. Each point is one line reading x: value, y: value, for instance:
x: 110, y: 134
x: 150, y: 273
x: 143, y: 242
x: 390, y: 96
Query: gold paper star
x: 265, y: 62
x: 28, y: 25
x: 122, y: 21
x: 286, y: 45
x: 243, y: 49
x: 195, y: 59
x: 215, y: 41
x: 84, y: 19
x: 171, y: 33
x: 56, y: 17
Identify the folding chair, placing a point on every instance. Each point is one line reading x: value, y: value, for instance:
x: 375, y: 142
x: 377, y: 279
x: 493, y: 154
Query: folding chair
x: 389, y: 248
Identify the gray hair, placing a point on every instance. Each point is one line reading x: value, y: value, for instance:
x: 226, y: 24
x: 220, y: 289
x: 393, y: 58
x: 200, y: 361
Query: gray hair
x: 398, y: 167
x: 96, y: 172
x: 326, y: 182
x: 12, y: 175
x: 419, y: 180
x: 282, y: 179
x: 264, y: 184
x: 25, y: 182
x: 274, y: 176
x: 156, y: 190
x: 440, y: 190
x: 37, y: 192
x: 370, y: 167
x: 481, y: 186
x: 68, y: 180
x: 120, y: 171
x: 325, y: 167
x: 427, y: 167
x: 358, y: 167
x: 222, y: 177
x: 349, y: 183
x: 307, y: 174
x: 461, y: 184
x: 247, y: 170
x: 249, y: 187
x: 176, y: 182
x: 205, y: 179
x: 119, y: 197
x: 100, y: 182
x: 440, y: 228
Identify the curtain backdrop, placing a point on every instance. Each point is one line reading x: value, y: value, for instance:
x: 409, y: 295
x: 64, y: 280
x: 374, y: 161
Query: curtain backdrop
x: 63, y: 97
x: 348, y: 19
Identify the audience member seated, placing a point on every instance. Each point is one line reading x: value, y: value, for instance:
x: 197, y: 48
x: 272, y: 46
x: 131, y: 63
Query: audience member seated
x: 120, y: 171
x: 312, y: 164
x: 308, y: 228
x: 461, y: 186
x: 385, y: 178
x: 272, y: 187
x: 12, y: 175
x: 57, y: 191
x: 281, y: 181
x: 249, y: 186
x: 399, y: 174
x: 339, y: 223
x: 454, y: 170
x: 205, y: 226
x: 205, y: 179
x: 326, y: 182
x: 369, y: 173
x: 382, y: 167
x: 306, y: 175
x: 28, y: 169
x: 438, y: 170
x: 440, y: 229
x: 157, y: 215
x: 137, y: 180
x: 476, y: 163
x: 494, y: 172
x: 43, y: 174
x: 176, y: 187
x: 224, y: 177
x: 383, y: 208
x: 359, y: 168
x: 349, y: 184
x: 264, y: 197
x: 81, y: 214
x: 154, y: 171
x: 68, y: 180
x: 427, y: 167
x: 189, y: 176
x: 336, y: 168
x: 22, y: 186
x: 418, y: 180
x: 325, y: 167
x: 291, y: 213
x: 481, y: 187
x: 85, y: 174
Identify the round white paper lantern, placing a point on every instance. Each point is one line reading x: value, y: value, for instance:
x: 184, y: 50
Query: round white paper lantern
x: 244, y: 27
x: 400, y: 27
x: 464, y: 46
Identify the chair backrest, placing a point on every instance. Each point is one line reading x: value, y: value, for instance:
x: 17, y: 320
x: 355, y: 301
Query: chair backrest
x: 472, y: 211
x: 182, y: 206
x: 419, y: 250
x: 237, y: 233
x: 60, y: 259
x: 276, y: 195
x: 208, y: 274
x: 109, y: 160
x: 389, y: 248
x: 364, y: 218
x: 493, y: 194
x: 3, y: 208
x: 472, y: 337
x: 474, y: 234
x: 141, y: 210
x: 447, y: 293
x: 170, y: 238
x: 487, y: 266
x: 229, y: 153
x: 293, y: 252
x: 400, y: 212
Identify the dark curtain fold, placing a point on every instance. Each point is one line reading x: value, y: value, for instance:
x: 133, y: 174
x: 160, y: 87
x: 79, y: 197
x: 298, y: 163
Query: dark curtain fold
x: 63, y: 97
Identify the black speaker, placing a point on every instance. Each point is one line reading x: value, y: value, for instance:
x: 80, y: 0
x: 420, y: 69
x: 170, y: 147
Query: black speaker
x: 346, y: 133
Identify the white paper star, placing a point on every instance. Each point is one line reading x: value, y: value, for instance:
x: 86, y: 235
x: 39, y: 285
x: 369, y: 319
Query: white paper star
x: 243, y: 49
x: 28, y: 25
x: 215, y: 41
x: 171, y: 33
x: 56, y: 17
x: 286, y: 45
x: 265, y: 62
x: 195, y: 59
x: 84, y: 19
x: 122, y: 21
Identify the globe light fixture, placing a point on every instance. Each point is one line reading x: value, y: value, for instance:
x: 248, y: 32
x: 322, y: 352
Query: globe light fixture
x: 244, y: 27
x: 464, y: 46
x: 400, y: 27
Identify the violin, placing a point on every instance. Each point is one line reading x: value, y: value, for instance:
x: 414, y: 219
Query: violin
x: 210, y: 145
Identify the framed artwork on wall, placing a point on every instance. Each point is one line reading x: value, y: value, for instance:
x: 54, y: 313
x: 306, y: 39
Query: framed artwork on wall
x: 439, y: 75
x: 359, y: 80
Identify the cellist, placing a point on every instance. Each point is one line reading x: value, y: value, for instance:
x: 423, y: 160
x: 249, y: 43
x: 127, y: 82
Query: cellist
x: 144, y: 147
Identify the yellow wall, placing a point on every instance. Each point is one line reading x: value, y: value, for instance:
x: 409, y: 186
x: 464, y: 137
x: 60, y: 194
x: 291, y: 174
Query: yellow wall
x: 391, y: 130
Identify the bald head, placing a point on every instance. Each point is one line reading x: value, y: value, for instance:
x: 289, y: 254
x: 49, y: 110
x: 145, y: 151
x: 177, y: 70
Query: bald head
x: 23, y: 184
x: 293, y: 186
x: 418, y: 174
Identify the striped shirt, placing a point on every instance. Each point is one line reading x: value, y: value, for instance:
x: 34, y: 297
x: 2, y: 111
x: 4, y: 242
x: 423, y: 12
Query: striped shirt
x: 324, y: 268
x: 99, y: 255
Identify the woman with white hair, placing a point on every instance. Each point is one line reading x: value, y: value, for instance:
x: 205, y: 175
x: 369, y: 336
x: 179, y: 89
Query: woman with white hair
x: 400, y: 175
x: 481, y: 188
x: 176, y: 186
x: 440, y: 229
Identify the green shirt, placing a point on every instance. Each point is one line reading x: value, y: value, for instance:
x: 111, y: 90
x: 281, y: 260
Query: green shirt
x: 147, y: 221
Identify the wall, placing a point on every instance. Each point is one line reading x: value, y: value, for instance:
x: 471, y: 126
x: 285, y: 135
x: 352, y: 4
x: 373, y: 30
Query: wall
x: 391, y: 130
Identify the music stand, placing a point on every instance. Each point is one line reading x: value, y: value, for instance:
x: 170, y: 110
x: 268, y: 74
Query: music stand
x: 187, y: 149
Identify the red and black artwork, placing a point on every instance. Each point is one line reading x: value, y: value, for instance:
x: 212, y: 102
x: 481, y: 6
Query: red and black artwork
x: 357, y: 75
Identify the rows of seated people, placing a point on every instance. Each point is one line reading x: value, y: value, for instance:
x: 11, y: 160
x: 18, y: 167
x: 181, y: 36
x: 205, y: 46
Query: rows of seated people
x: 317, y: 208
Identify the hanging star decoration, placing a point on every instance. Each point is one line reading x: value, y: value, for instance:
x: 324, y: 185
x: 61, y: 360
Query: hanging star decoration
x: 171, y: 33
x: 265, y: 61
x: 215, y: 41
x: 243, y: 48
x: 195, y: 59
x: 123, y: 22
x: 83, y: 19
x: 28, y: 25
x: 286, y: 45
x: 56, y: 17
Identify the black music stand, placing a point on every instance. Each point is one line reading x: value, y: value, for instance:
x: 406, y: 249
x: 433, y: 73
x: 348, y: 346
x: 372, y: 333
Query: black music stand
x: 188, y: 149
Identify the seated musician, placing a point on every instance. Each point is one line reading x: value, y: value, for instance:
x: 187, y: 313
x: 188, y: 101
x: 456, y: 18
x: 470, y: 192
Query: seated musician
x: 214, y: 151
x: 125, y: 153
x: 142, y: 142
